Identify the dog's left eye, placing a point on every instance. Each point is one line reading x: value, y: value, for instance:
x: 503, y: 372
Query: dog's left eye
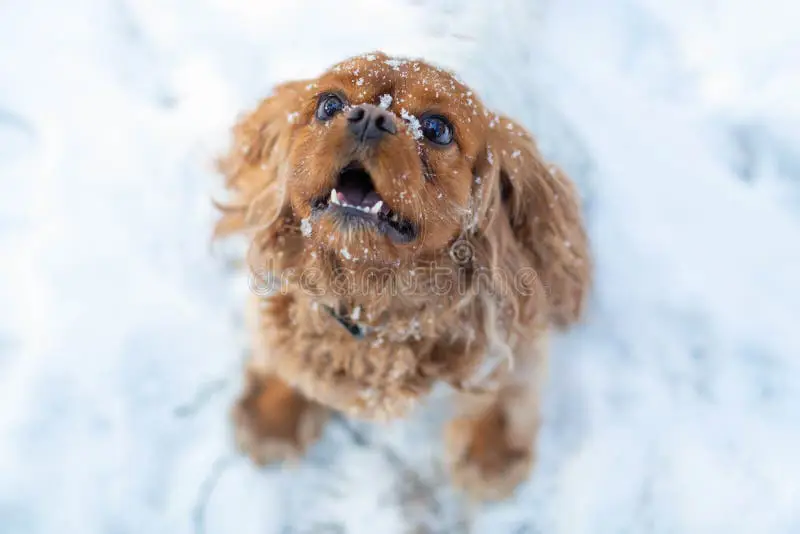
x: 437, y: 129
x: 328, y: 106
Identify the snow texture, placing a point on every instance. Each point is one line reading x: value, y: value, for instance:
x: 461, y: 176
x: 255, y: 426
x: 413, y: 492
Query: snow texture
x: 414, y: 127
x: 673, y: 408
x: 305, y: 227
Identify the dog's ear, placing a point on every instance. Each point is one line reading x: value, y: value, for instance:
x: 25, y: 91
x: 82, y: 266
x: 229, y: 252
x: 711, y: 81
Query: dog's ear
x: 256, y: 168
x: 533, y: 214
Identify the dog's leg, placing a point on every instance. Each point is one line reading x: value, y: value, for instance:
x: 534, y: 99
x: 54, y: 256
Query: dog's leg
x: 273, y: 422
x: 490, y: 445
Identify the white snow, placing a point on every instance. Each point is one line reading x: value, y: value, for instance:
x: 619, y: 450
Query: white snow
x: 674, y: 408
x: 394, y: 63
x: 414, y: 127
x: 385, y: 101
x: 305, y: 227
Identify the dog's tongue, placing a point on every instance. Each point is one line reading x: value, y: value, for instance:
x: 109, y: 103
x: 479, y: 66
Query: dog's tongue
x: 355, y: 194
x: 351, y: 192
x: 370, y: 199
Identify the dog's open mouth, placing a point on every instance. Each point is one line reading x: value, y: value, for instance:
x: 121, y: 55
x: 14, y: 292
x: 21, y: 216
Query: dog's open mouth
x: 354, y: 201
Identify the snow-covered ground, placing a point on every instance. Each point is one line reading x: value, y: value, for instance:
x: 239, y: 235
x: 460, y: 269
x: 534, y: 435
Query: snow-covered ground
x: 674, y: 408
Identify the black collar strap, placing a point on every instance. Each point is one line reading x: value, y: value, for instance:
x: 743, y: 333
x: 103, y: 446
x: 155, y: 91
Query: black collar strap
x: 356, y: 330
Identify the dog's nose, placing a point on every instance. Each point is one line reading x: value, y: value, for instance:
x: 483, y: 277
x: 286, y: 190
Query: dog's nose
x: 370, y: 123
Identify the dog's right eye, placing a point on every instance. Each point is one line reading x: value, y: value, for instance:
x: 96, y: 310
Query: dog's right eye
x: 328, y: 106
x: 437, y: 129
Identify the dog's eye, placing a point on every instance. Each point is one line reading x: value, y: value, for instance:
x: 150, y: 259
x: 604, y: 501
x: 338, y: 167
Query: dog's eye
x: 437, y: 129
x: 328, y: 106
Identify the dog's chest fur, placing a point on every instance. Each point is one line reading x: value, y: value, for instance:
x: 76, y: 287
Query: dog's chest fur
x: 379, y: 375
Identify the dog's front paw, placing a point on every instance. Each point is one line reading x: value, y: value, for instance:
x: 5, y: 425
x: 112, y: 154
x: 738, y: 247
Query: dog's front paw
x: 274, y: 423
x: 482, y: 460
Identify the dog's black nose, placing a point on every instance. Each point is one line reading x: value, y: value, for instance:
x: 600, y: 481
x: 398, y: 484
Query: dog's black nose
x: 370, y: 123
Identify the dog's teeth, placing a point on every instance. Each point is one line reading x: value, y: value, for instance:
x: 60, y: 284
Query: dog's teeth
x: 334, y: 198
x: 376, y: 208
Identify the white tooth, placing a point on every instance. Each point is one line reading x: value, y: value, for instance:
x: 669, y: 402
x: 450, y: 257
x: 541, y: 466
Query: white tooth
x: 376, y: 208
x: 334, y: 198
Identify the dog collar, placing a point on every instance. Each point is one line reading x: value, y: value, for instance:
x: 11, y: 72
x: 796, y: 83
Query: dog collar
x: 356, y: 330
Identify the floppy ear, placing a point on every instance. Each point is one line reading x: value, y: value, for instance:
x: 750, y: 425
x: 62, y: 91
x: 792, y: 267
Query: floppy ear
x: 256, y: 168
x: 534, y: 211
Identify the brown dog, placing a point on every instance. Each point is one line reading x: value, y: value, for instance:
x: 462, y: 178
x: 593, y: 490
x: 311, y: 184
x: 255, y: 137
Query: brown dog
x: 411, y: 237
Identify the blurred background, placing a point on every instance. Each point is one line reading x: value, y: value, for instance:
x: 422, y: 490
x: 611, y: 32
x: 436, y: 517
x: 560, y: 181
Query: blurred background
x: 675, y: 407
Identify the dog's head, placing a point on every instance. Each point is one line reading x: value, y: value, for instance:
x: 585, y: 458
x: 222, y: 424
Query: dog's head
x: 388, y: 161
